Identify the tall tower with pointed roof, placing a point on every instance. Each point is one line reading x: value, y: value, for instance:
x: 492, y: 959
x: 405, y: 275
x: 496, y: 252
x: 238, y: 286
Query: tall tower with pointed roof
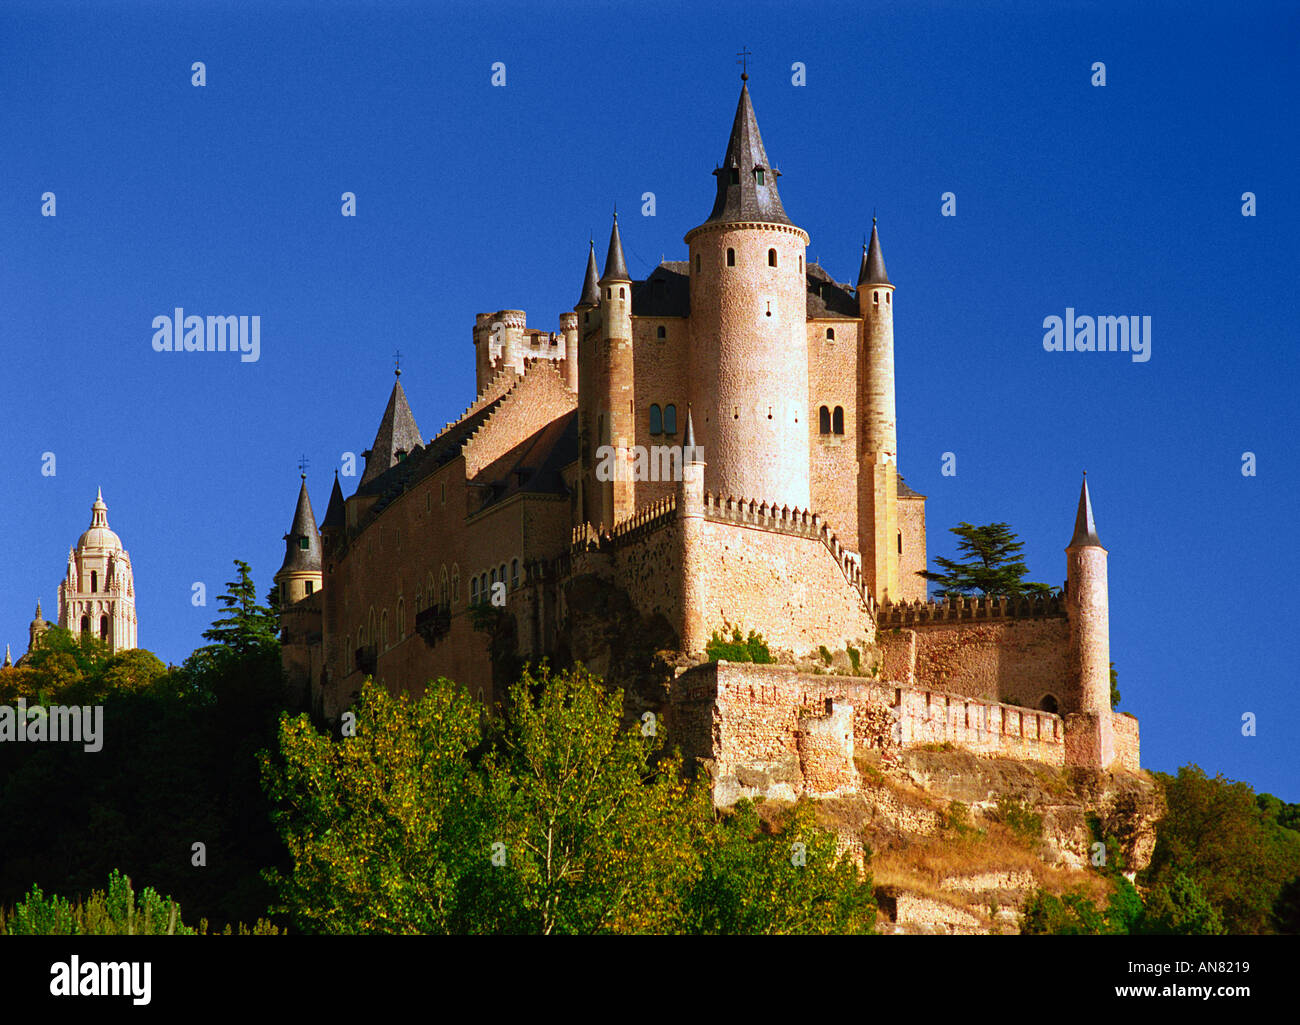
x: 397, y: 437
x: 97, y: 595
x: 1090, y: 730
x: 300, y: 573
x: 748, y: 329
x: 878, y: 522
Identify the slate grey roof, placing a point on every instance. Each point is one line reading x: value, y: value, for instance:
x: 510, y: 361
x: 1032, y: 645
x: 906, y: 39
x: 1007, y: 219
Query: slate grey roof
x: 827, y: 297
x: 905, y: 492
x: 334, y: 512
x: 665, y: 293
x: 304, y: 526
x: 615, y: 265
x: 740, y: 197
x: 1085, y: 527
x: 872, y: 271
x: 397, y: 435
x: 541, y: 458
x: 591, y: 284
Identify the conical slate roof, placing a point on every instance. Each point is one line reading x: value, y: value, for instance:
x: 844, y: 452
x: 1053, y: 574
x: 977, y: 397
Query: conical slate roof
x: 298, y: 558
x: 398, y: 436
x: 1085, y: 527
x: 591, y: 285
x: 334, y: 518
x: 872, y: 271
x: 615, y: 265
x: 740, y: 196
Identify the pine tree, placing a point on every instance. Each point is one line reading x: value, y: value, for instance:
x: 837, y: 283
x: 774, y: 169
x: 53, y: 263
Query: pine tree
x: 993, y: 565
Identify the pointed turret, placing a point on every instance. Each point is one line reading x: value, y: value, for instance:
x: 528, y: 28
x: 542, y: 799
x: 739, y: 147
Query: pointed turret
x: 615, y: 265
x: 397, y: 437
x: 334, y: 518
x: 591, y: 285
x: 746, y: 179
x: 1085, y: 527
x: 300, y: 557
x: 872, y: 271
x: 688, y: 444
x: 9, y: 659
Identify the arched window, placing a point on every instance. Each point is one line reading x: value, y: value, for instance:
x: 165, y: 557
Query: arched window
x: 444, y: 590
x: 900, y: 542
x: 656, y: 420
x: 493, y: 578
x: 103, y: 628
x: 661, y: 332
x: 839, y: 420
x: 670, y: 419
x: 771, y: 257
x: 473, y: 590
x: 383, y: 630
x: 428, y: 588
x: 502, y: 576
x: 1050, y: 704
x: 801, y: 265
x: 94, y: 581
x: 85, y: 624
x: 455, y: 581
x: 621, y: 293
x: 731, y: 258
x: 824, y: 420
x: 514, y: 573
x: 875, y: 298
x: 758, y: 175
x: 482, y: 587
x: 830, y: 334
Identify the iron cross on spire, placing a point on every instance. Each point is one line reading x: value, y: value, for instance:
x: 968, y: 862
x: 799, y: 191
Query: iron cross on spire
x: 302, y: 467
x: 744, y: 56
x: 397, y: 362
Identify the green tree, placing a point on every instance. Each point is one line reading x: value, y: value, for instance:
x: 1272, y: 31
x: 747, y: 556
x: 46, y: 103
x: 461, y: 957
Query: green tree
x: 1114, y: 686
x: 1179, y: 908
x: 792, y: 882
x: 993, y: 566
x: 740, y: 648
x: 1216, y: 834
x: 244, y: 627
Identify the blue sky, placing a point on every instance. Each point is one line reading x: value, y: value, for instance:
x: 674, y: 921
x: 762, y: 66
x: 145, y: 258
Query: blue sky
x: 1118, y: 200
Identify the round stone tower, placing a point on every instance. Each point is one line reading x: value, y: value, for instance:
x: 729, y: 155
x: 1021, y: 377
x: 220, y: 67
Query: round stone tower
x: 748, y: 329
x: 1090, y: 738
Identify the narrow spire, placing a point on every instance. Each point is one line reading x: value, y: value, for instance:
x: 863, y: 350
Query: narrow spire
x: 746, y: 179
x: 9, y: 659
x: 688, y: 442
x: 615, y: 265
x: 872, y: 271
x: 334, y: 517
x: 39, y: 617
x: 296, y: 555
x: 397, y: 437
x: 1085, y: 527
x: 591, y: 285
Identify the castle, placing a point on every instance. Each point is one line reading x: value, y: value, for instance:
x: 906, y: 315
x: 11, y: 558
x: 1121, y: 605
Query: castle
x: 712, y: 446
x: 97, y: 593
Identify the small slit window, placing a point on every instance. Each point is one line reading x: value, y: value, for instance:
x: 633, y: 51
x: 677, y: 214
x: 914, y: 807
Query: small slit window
x: 758, y: 175
x: 900, y: 542
x: 734, y: 176
x: 621, y: 293
x: 514, y: 573
x: 887, y: 302
x: 670, y: 419
x: 731, y: 258
x: 656, y: 420
x: 875, y: 298
x: 830, y: 334
x: 661, y: 332
x: 824, y: 420
x: 771, y: 257
x: 838, y: 420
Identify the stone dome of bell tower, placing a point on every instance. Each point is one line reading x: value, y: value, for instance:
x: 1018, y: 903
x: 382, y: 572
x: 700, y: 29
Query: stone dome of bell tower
x: 97, y: 595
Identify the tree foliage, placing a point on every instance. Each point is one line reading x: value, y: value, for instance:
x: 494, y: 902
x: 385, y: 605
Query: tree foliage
x: 992, y: 565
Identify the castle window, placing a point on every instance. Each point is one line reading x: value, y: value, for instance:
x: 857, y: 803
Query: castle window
x: 1050, y: 704
x: 824, y: 420
x: 771, y: 257
x: 839, y: 420
x: 734, y: 177
x: 444, y: 589
x: 94, y: 581
x: 103, y: 628
x: 609, y: 293
x: 383, y: 630
x: 455, y: 582
x: 801, y: 265
x: 493, y: 579
x: 731, y: 258
x: 670, y: 419
x: 875, y: 298
x: 758, y: 178
x: 502, y: 577
x: 85, y: 624
x: 473, y: 590
x: 311, y: 586
x: 661, y: 332
x: 620, y: 292
x: 900, y: 542
x: 887, y: 302
x: 830, y: 334
x: 304, y: 544
x: 514, y: 573
x: 656, y: 420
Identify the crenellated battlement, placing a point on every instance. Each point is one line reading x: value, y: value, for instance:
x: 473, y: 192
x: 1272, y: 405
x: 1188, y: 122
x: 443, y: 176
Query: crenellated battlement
x: 971, y: 608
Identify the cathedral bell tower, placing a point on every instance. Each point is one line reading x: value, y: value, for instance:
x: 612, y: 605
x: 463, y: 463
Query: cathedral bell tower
x: 97, y: 595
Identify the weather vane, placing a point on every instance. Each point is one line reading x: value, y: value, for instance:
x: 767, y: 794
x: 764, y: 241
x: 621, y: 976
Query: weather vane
x: 744, y: 56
